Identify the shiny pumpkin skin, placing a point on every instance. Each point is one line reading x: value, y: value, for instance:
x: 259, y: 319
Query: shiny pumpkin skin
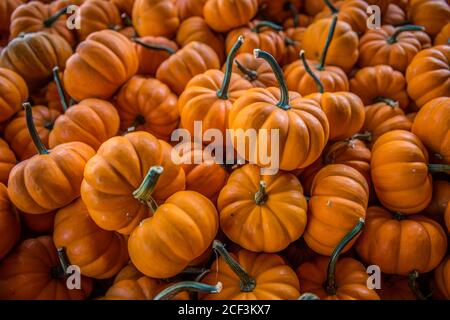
x: 196, y: 29
x: 275, y: 280
x: 152, y: 100
x: 13, y: 92
x: 17, y: 135
x: 200, y: 101
x: 58, y: 175
x: 442, y: 279
x: 99, y: 253
x: 9, y: 223
x: 337, y: 191
x: 370, y: 83
x: 432, y: 126
x: 91, y: 121
x: 443, y: 37
x: 117, y: 170
x: 345, y: 113
x: 224, y: 15
x: 34, y: 55
x: 263, y: 76
x: 269, y: 226
x: 105, y: 60
x: 151, y: 59
x: 354, y: 12
x: 180, y: 230
x: 428, y: 74
x: 439, y: 202
x: 351, y: 279
x: 7, y: 161
x: 375, y: 48
x: 193, y: 59
x: 432, y: 14
x: 400, y: 172
x: 26, y: 274
x: 96, y: 15
x: 155, y: 18
x: 303, y: 127
x: 399, y: 246
x: 343, y: 50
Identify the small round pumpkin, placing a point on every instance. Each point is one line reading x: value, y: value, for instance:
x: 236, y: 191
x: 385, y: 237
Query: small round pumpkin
x: 179, y: 231
x: 13, y: 92
x: 155, y: 17
x: 444, y: 36
x: 354, y: 12
x: 7, y: 161
x: 96, y: 15
x: 432, y: 14
x: 152, y: 52
x: 442, y: 278
x: 257, y: 71
x: 224, y: 15
x: 9, y: 223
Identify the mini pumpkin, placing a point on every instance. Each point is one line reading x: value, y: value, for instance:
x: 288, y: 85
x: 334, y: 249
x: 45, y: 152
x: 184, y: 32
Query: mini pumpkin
x: 432, y: 14
x: 7, y: 161
x: 224, y: 15
x: 96, y: 15
x: 257, y: 71
x: 155, y: 17
x: 9, y: 223
x: 354, y: 12
x: 394, y: 16
x: 152, y: 52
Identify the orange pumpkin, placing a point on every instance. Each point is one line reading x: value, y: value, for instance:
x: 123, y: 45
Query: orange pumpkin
x: 354, y: 12
x: 179, y: 231
x: 439, y: 202
x: 279, y: 11
x: 427, y: 75
x: 96, y: 15
x: 6, y: 9
x: 193, y: 59
x: 129, y: 272
x: 121, y: 182
x: 57, y: 172
x: 189, y: 8
x: 155, y: 17
x: 224, y: 15
x: 339, y: 198
x: 33, y: 271
x: 443, y: 37
x: 39, y: 223
x: 442, y: 278
x: 374, y: 83
x: 394, y: 16
x: 432, y: 14
x: 400, y: 244
x: 432, y: 126
x: 9, y: 223
x: 105, y: 60
x: 7, y: 161
x: 247, y: 275
x: 257, y: 71
x: 152, y: 52
x: 382, y: 4
x: 313, y: 7
x: 293, y: 38
x: 98, y: 253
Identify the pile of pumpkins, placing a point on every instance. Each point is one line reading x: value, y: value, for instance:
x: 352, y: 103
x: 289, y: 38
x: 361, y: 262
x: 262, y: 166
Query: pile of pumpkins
x: 89, y: 186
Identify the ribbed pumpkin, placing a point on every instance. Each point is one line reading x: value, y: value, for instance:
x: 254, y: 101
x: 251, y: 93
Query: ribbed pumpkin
x: 7, y: 7
x: 262, y: 213
x: 257, y: 71
x: 96, y: 15
x: 354, y: 12
x: 189, y: 8
x: 34, y: 55
x: 428, y: 74
x: 152, y: 52
x: 394, y: 16
x: 247, y: 275
x: 147, y: 104
x: 444, y: 36
x: 193, y: 59
x: 439, y: 202
x: 179, y: 231
x: 155, y: 17
x: 432, y: 126
x: 302, y: 124
x: 121, y: 181
x: 339, y: 198
x: 400, y: 244
x: 442, y: 278
x: 99, y: 253
x: 432, y: 14
x: 7, y: 161
x: 224, y: 15
x: 9, y: 223
x: 34, y: 272
x: 105, y: 60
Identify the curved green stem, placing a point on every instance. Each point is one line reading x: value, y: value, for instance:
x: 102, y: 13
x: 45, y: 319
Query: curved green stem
x: 390, y: 102
x: 311, y: 73
x: 294, y: 11
x: 248, y: 283
x: 331, y: 281
x: 414, y: 286
x: 444, y: 168
x: 60, y: 89
x: 52, y: 19
x: 145, y: 190
x: 366, y: 136
x: 139, y: 120
x: 194, y: 286
x: 153, y: 46
x: 251, y: 75
x: 223, y: 92
x: 327, y: 43
x: 284, y: 99
x: 308, y: 296
x: 330, y: 6
x: 409, y: 27
x: 32, y: 130
x: 268, y: 24
x: 261, y: 195
x: 60, y: 271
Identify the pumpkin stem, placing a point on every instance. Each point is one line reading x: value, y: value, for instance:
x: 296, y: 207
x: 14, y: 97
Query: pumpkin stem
x: 399, y: 216
x: 249, y: 74
x: 248, y: 283
x: 145, y: 190
x: 445, y: 168
x: 32, y: 130
x: 284, y: 99
x: 311, y: 73
x: 60, y: 89
x: 289, y: 42
x: 390, y: 102
x: 261, y: 195
x: 327, y: 43
x: 152, y: 46
x: 223, y: 92
x: 414, y: 286
x: 139, y: 120
x: 194, y: 286
x: 60, y: 271
x: 400, y: 30
x: 366, y: 136
x: 330, y: 6
x: 331, y: 281
x: 293, y: 9
x: 194, y: 270
x: 126, y: 20
x: 268, y: 24
x: 52, y: 19
x: 308, y: 296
